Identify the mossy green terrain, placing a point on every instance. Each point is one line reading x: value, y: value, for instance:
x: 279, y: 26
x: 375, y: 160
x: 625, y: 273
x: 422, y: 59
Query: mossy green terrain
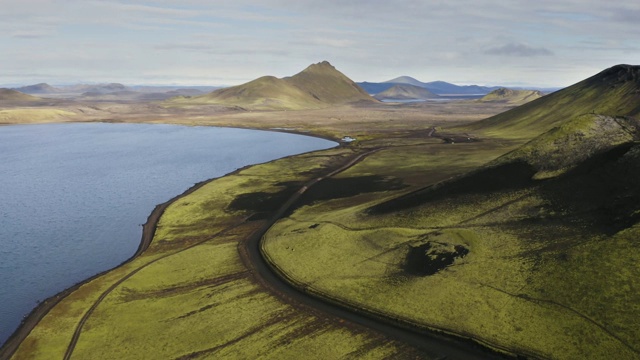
x: 265, y: 93
x: 613, y: 92
x: 191, y: 295
x: 35, y: 115
x: 519, y: 232
x: 532, y: 253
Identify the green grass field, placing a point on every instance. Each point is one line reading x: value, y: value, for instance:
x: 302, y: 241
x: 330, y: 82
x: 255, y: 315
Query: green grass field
x: 524, y: 241
x: 191, y: 296
x: 537, y: 279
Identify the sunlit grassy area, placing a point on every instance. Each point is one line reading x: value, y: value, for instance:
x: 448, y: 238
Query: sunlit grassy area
x: 34, y: 115
x: 530, y: 285
x: 539, y: 277
x: 191, y: 296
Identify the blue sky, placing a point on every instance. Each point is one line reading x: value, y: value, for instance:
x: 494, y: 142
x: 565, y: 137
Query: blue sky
x: 198, y: 42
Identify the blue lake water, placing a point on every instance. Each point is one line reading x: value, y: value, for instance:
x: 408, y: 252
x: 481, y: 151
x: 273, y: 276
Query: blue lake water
x: 73, y: 196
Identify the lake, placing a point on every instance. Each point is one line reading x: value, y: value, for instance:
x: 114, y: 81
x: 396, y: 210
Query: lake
x: 73, y: 196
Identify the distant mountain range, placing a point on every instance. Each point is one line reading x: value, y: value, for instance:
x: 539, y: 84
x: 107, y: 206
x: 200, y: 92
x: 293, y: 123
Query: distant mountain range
x: 38, y: 89
x: 46, y: 89
x: 113, y: 91
x: 437, y: 87
x: 405, y: 92
x: 13, y: 95
x: 318, y: 86
x: 308, y: 89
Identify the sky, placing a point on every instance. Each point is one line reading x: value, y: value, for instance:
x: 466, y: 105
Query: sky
x: 543, y: 43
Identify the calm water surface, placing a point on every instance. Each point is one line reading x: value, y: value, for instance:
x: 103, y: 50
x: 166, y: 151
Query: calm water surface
x: 73, y: 196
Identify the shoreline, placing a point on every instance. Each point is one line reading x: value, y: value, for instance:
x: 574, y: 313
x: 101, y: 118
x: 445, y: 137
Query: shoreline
x: 32, y: 319
x: 403, y: 328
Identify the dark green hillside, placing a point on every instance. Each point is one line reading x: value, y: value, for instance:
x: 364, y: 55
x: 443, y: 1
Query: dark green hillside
x: 613, y: 92
x: 569, y: 201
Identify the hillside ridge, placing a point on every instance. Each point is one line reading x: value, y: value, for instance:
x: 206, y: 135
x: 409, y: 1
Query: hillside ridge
x: 319, y: 85
x: 511, y: 96
x: 612, y: 92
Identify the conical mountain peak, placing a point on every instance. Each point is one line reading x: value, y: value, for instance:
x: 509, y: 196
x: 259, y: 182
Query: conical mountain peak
x: 319, y: 85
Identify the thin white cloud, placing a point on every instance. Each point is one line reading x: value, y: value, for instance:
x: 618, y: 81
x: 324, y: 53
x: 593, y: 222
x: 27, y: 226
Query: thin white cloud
x: 148, y: 10
x: 483, y: 41
x: 631, y: 16
x: 517, y: 49
x: 29, y: 34
x: 332, y: 42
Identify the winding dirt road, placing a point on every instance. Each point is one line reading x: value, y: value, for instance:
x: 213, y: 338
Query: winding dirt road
x: 435, y: 345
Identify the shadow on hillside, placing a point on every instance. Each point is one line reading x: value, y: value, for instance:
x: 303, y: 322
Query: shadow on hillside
x: 602, y: 193
x: 509, y: 176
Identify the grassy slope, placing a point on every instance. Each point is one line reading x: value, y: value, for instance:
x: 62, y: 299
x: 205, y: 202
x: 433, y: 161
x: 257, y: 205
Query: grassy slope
x: 546, y: 274
x: 323, y: 82
x: 612, y: 92
x: 193, y: 297
x: 551, y: 269
x: 34, y: 115
x: 566, y: 146
x: 266, y: 92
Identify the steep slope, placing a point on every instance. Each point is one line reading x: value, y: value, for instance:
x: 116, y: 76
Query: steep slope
x: 573, y: 142
x: 406, y: 92
x: 318, y: 86
x: 534, y: 253
x: 325, y: 83
x: 510, y: 96
x: 612, y: 92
